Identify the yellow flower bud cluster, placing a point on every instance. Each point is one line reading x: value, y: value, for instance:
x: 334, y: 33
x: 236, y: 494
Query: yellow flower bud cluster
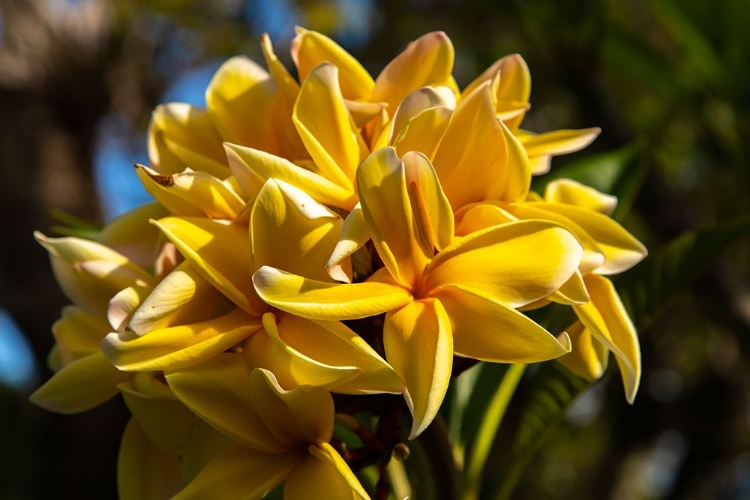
x: 331, y: 234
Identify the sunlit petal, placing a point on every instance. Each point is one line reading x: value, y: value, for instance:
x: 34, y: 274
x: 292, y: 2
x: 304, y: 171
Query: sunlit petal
x: 593, y: 256
x: 478, y: 216
x: 123, y: 305
x: 291, y: 367
x: 291, y: 231
x: 182, y: 136
x: 79, y: 386
x: 512, y: 264
x: 90, y: 273
x: 572, y: 291
x: 253, y: 167
x: 557, y: 142
x: 329, y: 301
x: 488, y: 331
x: 182, y: 297
x: 239, y: 103
x: 310, y: 48
x: 388, y: 212
x: 325, y: 354
x: 192, y: 194
x: 419, y: 345
x: 478, y: 158
x: 607, y: 320
x: 621, y: 250
x: 354, y: 235
x: 514, y: 87
x: 178, y: 346
x: 573, y: 192
x: 425, y: 61
x: 325, y: 127
x: 221, y: 251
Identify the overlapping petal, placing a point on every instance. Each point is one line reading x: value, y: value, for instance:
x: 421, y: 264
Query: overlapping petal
x: 419, y: 345
x: 608, y: 321
x: 178, y: 346
x: 512, y: 264
x: 80, y: 385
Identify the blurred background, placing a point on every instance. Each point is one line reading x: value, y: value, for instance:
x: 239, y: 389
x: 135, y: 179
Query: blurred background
x: 668, y: 81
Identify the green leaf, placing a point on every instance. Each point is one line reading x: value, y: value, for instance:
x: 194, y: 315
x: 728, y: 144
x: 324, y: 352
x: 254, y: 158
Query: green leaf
x: 646, y: 289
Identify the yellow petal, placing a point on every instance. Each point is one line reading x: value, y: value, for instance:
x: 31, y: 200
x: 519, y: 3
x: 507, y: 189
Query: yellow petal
x: 478, y: 216
x: 488, y: 331
x: 573, y: 192
x: 512, y: 264
x: 514, y: 85
x: 144, y: 472
x: 178, y: 346
x: 593, y: 256
x: 79, y: 386
x: 325, y: 127
x: 90, y: 273
x: 192, y: 194
x: 328, y: 301
x: 134, y: 236
x: 291, y: 231
x: 419, y: 345
x: 220, y: 392
x: 301, y: 415
x: 287, y: 85
x: 621, y: 250
x: 123, y: 305
x: 424, y: 132
x: 387, y: 208
x: 77, y: 334
x: 252, y: 168
x: 239, y: 104
x: 310, y: 49
x: 362, y: 112
x: 478, y: 158
x: 239, y: 472
x: 433, y: 214
x: 323, y: 475
x: 182, y: 297
x: 557, y: 142
x: 354, y: 235
x: 292, y: 368
x: 540, y: 164
x: 325, y: 354
x: 221, y: 251
x: 608, y: 321
x: 425, y: 61
x: 589, y: 357
x: 182, y: 136
x: 572, y: 291
x: 166, y: 422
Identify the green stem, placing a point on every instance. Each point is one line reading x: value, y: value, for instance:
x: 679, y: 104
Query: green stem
x: 493, y: 417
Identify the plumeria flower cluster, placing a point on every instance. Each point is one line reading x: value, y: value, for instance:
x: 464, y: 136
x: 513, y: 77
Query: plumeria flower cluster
x: 327, y: 236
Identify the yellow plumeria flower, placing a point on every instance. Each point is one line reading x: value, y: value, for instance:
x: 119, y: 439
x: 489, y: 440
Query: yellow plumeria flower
x: 442, y: 297
x: 608, y: 249
x: 279, y: 436
x: 287, y: 229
